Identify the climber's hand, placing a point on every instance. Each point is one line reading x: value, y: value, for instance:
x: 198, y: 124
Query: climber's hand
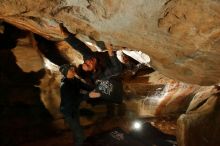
x: 110, y: 49
x: 94, y: 94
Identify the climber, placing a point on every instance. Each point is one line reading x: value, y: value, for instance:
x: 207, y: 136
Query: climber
x: 109, y: 88
x: 99, y: 69
x: 71, y: 98
x: 107, y: 84
x: 96, y: 64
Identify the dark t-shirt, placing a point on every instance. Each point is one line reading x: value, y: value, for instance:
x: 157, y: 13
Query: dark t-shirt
x: 111, y: 89
x: 107, y: 70
x: 71, y: 96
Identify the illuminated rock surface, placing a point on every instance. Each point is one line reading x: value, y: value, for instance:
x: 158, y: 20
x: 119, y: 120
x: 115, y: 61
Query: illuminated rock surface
x: 181, y: 37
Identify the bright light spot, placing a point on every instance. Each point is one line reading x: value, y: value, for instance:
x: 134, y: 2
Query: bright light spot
x: 89, y: 43
x: 93, y: 46
x: 138, y: 55
x: 137, y: 125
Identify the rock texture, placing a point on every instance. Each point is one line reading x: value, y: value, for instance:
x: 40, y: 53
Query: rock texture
x: 180, y: 36
x: 156, y: 95
x: 199, y: 125
x: 28, y: 56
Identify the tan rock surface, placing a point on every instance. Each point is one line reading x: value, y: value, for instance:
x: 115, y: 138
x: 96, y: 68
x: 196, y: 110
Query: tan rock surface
x: 28, y: 57
x: 181, y: 37
x: 199, y: 125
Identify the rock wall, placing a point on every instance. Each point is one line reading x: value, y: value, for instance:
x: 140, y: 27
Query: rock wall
x: 199, y: 125
x: 180, y: 36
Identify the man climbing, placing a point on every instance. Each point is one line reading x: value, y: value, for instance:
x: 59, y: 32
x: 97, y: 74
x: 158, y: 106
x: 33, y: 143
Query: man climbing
x: 96, y: 64
x: 107, y: 84
x: 70, y: 100
x: 99, y: 69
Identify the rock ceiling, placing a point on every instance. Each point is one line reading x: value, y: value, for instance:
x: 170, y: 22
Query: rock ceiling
x: 180, y: 36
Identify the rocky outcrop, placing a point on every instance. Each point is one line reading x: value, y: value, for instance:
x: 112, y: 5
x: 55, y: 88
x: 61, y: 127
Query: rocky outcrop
x: 28, y: 56
x: 181, y: 37
x: 156, y: 95
x: 199, y: 126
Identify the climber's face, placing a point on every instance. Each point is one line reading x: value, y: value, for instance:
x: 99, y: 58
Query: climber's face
x: 89, y: 65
